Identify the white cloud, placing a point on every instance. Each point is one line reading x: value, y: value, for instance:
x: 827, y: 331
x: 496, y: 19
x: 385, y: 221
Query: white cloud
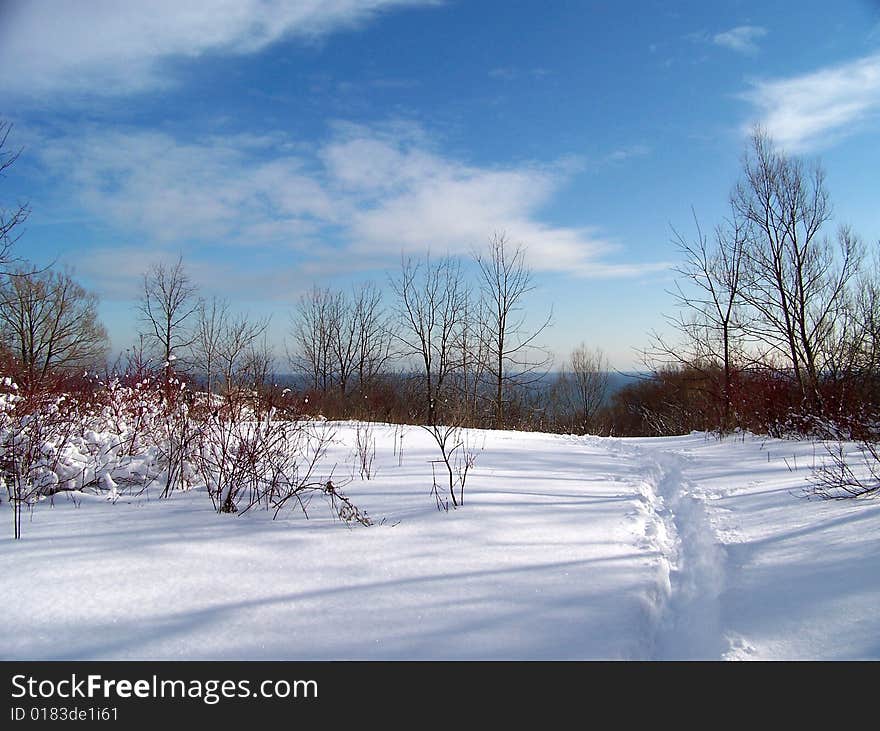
x: 171, y: 191
x: 742, y: 39
x: 363, y: 197
x: 809, y: 111
x: 107, y: 47
x: 627, y: 153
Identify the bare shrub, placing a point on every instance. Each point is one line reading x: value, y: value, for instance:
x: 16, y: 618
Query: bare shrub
x: 365, y: 449
x: 253, y: 460
x: 35, y: 429
x: 835, y: 478
x: 458, y: 457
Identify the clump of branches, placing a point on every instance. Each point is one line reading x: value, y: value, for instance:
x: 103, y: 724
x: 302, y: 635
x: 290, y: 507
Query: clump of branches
x: 432, y: 309
x: 254, y: 460
x: 458, y: 456
x: 12, y: 220
x: 365, y: 449
x: 175, y: 434
x: 835, y: 478
x: 35, y: 430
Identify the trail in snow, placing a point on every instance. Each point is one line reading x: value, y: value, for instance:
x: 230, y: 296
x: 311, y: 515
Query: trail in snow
x: 569, y: 548
x: 686, y: 604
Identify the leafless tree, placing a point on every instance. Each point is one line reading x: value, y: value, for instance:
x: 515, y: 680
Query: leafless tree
x: 713, y: 317
x: 866, y: 321
x: 312, y: 332
x: 168, y: 302
x: 259, y: 360
x: 373, y: 332
x: 230, y: 351
x: 796, y: 278
x: 211, y: 318
x: 473, y: 354
x: 49, y: 322
x: 584, y: 385
x: 11, y: 220
x: 340, y: 341
x: 513, y: 358
x: 240, y: 355
x: 431, y: 308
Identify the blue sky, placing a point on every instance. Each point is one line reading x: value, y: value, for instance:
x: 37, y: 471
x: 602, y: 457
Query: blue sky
x: 276, y: 144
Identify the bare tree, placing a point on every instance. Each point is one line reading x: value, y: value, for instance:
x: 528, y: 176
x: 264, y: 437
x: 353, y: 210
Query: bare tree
x: 797, y: 280
x: 312, y: 333
x: 340, y: 341
x: 866, y: 310
x: 712, y: 316
x: 431, y: 308
x: 584, y: 385
x: 241, y: 357
x: 473, y: 354
x: 229, y: 351
x: 167, y: 304
x: 373, y: 332
x: 10, y: 220
x: 259, y: 360
x: 513, y: 359
x: 49, y: 322
x: 211, y: 318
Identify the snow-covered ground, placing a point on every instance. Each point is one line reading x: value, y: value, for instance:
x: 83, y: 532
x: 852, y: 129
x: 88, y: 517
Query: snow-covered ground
x: 567, y: 547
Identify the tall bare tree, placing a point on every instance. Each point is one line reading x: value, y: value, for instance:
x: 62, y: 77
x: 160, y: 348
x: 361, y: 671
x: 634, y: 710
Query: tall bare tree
x: 584, y: 385
x: 473, y: 352
x: 513, y: 357
x: 797, y: 279
x: 373, y: 330
x: 168, y: 302
x: 340, y: 340
x: 431, y: 309
x: 866, y: 321
x: 311, y: 329
x: 230, y: 351
x: 49, y: 322
x: 712, y: 317
x: 211, y: 318
x: 12, y: 219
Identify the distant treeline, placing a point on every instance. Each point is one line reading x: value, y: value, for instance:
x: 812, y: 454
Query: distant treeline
x: 777, y: 329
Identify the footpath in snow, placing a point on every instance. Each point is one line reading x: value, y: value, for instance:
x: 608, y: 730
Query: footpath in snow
x: 566, y: 548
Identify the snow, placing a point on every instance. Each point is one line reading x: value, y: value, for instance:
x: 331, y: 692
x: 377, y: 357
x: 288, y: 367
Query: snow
x: 566, y: 548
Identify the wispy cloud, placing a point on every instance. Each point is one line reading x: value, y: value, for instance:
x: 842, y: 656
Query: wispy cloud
x: 511, y: 73
x: 812, y: 110
x: 364, y: 196
x: 742, y: 39
x: 503, y: 73
x: 103, y: 48
x: 627, y: 153
x: 221, y: 188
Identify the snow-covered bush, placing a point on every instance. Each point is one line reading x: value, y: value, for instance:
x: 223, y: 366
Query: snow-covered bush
x: 124, y: 435
x: 41, y: 443
x: 250, y: 459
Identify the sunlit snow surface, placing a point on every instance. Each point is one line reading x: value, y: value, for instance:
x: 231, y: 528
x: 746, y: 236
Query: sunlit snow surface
x: 566, y: 548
